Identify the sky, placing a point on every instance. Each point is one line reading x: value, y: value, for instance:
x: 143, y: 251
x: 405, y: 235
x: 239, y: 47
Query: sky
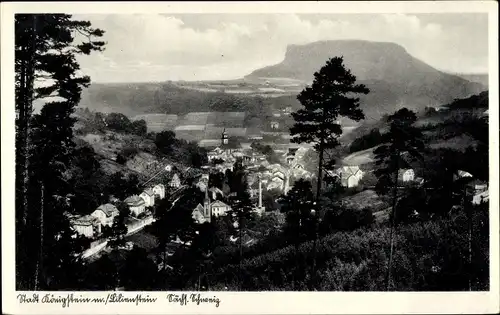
x: 161, y: 47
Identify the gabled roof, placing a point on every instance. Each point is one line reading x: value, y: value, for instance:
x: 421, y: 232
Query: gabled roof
x: 199, y: 208
x: 108, y: 209
x: 159, y: 185
x: 218, y: 203
x: 148, y: 191
x: 347, y: 171
x: 134, y: 201
x: 197, y: 214
x: 402, y: 171
x: 461, y: 173
x: 85, y: 220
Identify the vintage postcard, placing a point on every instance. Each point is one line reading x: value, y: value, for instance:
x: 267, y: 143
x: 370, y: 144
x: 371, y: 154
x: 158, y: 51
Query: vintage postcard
x: 250, y: 158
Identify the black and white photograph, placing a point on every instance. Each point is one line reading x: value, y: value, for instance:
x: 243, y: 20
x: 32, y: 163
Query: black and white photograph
x: 252, y: 152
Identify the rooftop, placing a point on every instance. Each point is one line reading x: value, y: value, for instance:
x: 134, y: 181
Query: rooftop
x: 85, y: 220
x: 108, y: 209
x: 134, y: 201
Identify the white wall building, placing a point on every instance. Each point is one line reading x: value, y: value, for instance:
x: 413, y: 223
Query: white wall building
x: 106, y: 214
x: 148, y: 196
x: 175, y: 182
x: 87, y: 225
x: 349, y: 175
x: 159, y: 191
x: 406, y: 175
x: 136, y: 204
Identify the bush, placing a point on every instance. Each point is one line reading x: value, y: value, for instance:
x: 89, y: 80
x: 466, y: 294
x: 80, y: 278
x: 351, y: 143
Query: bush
x: 427, y: 256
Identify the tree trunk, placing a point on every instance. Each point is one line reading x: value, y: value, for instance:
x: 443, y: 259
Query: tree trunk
x: 320, y: 170
x: 241, y: 252
x: 28, y: 110
x: 39, y: 264
x: 393, y: 227
x: 468, y: 210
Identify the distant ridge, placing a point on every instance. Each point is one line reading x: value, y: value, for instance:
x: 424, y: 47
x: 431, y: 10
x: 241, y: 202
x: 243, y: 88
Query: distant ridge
x: 395, y: 78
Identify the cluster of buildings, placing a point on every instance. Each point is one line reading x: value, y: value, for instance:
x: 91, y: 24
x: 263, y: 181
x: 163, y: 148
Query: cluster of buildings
x: 351, y: 176
x: 91, y: 225
x: 212, y: 206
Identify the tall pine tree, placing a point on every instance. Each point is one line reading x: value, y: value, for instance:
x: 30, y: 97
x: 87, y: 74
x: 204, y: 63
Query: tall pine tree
x: 330, y: 96
x: 404, y: 144
x: 46, y: 69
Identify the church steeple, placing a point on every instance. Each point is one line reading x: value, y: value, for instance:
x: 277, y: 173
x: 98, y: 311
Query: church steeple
x: 224, y: 138
x: 206, y: 205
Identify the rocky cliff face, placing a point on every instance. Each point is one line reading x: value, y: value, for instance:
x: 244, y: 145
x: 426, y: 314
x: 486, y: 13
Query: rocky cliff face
x: 395, y: 78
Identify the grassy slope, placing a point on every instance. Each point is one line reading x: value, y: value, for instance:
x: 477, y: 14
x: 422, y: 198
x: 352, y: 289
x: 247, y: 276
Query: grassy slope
x: 441, y: 129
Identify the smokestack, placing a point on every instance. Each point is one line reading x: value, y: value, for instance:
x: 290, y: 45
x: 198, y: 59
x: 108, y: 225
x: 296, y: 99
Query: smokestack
x: 287, y: 183
x: 260, y: 193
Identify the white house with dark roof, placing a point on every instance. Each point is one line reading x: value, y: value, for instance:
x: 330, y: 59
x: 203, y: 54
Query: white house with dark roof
x: 406, y: 175
x: 219, y: 208
x: 148, y: 196
x: 481, y: 197
x: 159, y: 191
x: 349, y: 175
x: 105, y: 214
x: 198, y: 214
x: 175, y: 182
x: 136, y: 204
x: 87, y: 225
x: 204, y: 213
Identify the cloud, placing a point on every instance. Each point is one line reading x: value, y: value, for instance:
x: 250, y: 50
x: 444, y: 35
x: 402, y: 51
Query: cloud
x: 223, y: 46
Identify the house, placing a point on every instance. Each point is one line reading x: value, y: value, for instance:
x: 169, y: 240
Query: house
x: 481, y: 197
x: 87, y: 225
x: 461, y: 174
x: 136, y: 204
x: 274, y: 125
x: 202, y: 184
x: 159, y: 191
x: 198, y: 214
x: 419, y: 180
x: 219, y: 208
x: 204, y: 213
x: 406, y: 175
x: 106, y: 214
x: 298, y: 166
x: 276, y: 183
x: 212, y: 155
x: 349, y: 175
x: 279, y: 173
x: 175, y: 182
x: 148, y: 196
x: 478, y: 185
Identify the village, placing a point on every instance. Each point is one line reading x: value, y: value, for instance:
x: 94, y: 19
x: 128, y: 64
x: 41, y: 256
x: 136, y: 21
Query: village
x: 262, y: 177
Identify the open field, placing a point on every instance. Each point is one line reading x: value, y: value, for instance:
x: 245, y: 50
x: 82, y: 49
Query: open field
x: 365, y: 199
x: 360, y: 157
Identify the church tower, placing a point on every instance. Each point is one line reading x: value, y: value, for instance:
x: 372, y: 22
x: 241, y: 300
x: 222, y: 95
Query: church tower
x: 225, y: 140
x: 206, y: 206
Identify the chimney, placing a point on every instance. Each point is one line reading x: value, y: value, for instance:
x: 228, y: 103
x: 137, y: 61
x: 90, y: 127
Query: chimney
x: 206, y: 204
x: 287, y: 183
x: 260, y: 193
